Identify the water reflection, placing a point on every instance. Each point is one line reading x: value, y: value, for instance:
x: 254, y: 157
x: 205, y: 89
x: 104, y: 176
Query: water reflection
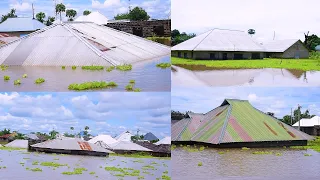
x: 243, y: 164
x: 147, y: 76
x: 195, y: 75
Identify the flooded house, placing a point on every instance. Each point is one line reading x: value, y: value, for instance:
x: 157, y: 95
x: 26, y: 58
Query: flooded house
x: 310, y: 126
x: 150, y: 137
x: 125, y: 136
x: 72, y: 146
x: 7, y: 137
x: 95, y: 17
x: 161, y: 148
x: 79, y: 44
x: 18, y: 143
x: 236, y: 123
x: 225, y: 44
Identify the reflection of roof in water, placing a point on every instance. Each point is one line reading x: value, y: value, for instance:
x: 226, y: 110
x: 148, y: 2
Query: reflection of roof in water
x: 234, y: 121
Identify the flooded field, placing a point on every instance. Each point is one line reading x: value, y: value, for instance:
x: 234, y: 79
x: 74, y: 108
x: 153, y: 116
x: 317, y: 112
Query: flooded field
x: 21, y: 165
x: 147, y: 77
x: 269, y: 163
x: 190, y: 75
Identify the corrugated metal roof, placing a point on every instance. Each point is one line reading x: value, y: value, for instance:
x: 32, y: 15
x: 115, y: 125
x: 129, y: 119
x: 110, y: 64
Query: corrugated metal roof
x: 104, y: 138
x: 20, y: 24
x: 279, y: 45
x: 128, y: 146
x: 31, y: 136
x: 236, y: 121
x: 150, y: 137
x: 125, y: 136
x: 18, y: 144
x: 95, y: 17
x: 70, y: 144
x: 315, y: 121
x: 220, y: 40
x: 68, y: 44
x: 166, y: 140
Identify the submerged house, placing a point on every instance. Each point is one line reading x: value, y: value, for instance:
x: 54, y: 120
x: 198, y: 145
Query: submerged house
x: 159, y: 150
x: 224, y: 44
x: 70, y: 146
x: 150, y: 137
x: 236, y: 123
x: 95, y: 17
x: 20, y: 26
x: 309, y: 126
x: 79, y: 44
x: 18, y: 143
x: 125, y: 136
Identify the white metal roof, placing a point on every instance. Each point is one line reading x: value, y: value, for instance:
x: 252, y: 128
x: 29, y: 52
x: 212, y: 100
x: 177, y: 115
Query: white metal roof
x: 166, y: 140
x: 104, y: 138
x: 95, y: 17
x: 308, y: 122
x: 70, y: 144
x: 127, y: 145
x: 279, y: 45
x: 125, y: 136
x: 18, y: 144
x: 20, y: 24
x: 79, y: 44
x: 221, y: 40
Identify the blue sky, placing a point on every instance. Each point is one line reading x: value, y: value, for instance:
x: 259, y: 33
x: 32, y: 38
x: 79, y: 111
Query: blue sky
x: 105, y: 113
x: 276, y: 100
x: 158, y: 9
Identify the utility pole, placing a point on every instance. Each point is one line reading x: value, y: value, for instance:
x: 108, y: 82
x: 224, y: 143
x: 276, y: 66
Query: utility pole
x: 291, y: 117
x: 32, y: 11
x: 55, y: 5
x: 299, y: 112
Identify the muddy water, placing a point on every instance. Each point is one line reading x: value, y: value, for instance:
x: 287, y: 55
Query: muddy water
x: 147, y: 76
x: 190, y: 75
x: 243, y: 164
x: 15, y: 171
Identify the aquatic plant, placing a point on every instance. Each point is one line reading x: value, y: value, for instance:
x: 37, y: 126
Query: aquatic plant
x: 75, y: 171
x: 52, y: 164
x: 163, y: 65
x: 74, y: 67
x: 312, y: 144
x: 278, y: 154
x: 220, y: 152
x: 17, y: 82
x: 39, y: 81
x: 36, y: 170
x: 93, y: 68
x: 110, y: 68
x: 6, y: 78
x: 125, y: 67
x: 92, y: 85
x: 307, y: 155
x: 4, y: 67
x: 92, y: 173
x: 137, y: 90
x: 146, y: 167
x: 200, y: 164
x: 201, y: 148
x: 245, y: 148
x: 129, y: 87
x: 261, y: 152
x: 165, y: 177
x: 24, y: 76
x: 132, y: 81
x: 63, y: 67
x: 141, y: 177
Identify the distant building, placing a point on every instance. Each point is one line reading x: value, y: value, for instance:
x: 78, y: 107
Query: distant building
x: 160, y: 28
x: 19, y: 27
x: 224, y: 44
x: 309, y: 126
x: 95, y: 17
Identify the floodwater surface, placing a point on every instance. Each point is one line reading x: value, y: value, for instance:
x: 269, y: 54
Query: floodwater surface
x: 147, y: 77
x: 280, y: 163
x: 17, y: 165
x: 195, y: 75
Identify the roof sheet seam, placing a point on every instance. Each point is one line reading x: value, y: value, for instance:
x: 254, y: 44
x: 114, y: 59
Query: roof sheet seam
x: 186, y: 126
x: 224, y: 127
x: 202, y: 40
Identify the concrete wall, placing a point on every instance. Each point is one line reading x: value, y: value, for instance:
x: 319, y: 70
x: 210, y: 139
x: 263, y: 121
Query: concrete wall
x: 297, y: 50
x: 147, y: 28
x: 205, y: 55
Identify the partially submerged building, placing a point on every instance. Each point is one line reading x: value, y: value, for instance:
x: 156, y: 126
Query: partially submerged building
x: 224, y: 44
x: 18, y: 143
x: 95, y: 17
x: 79, y: 44
x: 107, y: 139
x: 309, y: 126
x: 236, y: 123
x: 150, y: 137
x: 166, y: 140
x: 161, y: 150
x: 123, y: 147
x: 125, y: 136
x: 70, y: 146
x: 20, y: 26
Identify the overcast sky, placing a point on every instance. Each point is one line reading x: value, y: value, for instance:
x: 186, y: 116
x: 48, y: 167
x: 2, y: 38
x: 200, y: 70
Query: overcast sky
x: 105, y: 113
x: 158, y: 9
x: 288, y: 18
x: 276, y: 100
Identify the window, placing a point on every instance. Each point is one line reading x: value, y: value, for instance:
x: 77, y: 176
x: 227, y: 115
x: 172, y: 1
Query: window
x: 179, y: 54
x: 185, y: 55
x: 212, y: 56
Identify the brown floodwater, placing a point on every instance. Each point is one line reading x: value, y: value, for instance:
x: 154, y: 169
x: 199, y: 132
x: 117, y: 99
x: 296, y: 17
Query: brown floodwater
x: 197, y: 75
x: 243, y: 164
x: 147, y: 76
x: 16, y: 171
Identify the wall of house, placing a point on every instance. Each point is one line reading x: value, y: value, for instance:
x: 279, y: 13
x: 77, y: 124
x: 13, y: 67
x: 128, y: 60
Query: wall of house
x: 297, y: 50
x: 144, y: 28
x: 205, y: 55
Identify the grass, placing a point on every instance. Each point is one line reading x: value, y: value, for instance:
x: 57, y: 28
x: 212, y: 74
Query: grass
x: 93, y: 68
x: 110, y: 68
x: 24, y: 76
x: 17, y: 82
x: 312, y: 144
x: 298, y: 64
x: 6, y: 78
x: 125, y: 67
x: 92, y: 85
x: 39, y: 81
x: 163, y: 65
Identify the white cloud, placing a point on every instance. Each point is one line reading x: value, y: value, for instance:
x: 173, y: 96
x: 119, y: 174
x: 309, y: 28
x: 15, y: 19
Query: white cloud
x: 24, y: 6
x: 7, y: 99
x: 252, y: 97
x: 106, y: 4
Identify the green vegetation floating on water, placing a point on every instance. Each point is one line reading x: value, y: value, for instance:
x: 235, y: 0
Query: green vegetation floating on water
x: 164, y: 65
x: 36, y: 170
x: 52, y: 164
x: 74, y: 67
x: 110, y: 68
x: 99, y: 68
x: 4, y: 67
x: 6, y: 78
x: 125, y: 67
x: 35, y: 163
x: 245, y: 148
x: 123, y: 171
x: 39, y: 81
x: 298, y: 64
x: 92, y: 85
x: 17, y: 82
x: 75, y: 171
x: 24, y: 76
x: 307, y: 155
x: 63, y: 67
x: 200, y: 164
x: 132, y: 81
x: 130, y: 86
x: 261, y: 152
x: 312, y: 144
x: 138, y: 155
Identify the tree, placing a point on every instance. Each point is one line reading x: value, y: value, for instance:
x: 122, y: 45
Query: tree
x: 287, y: 119
x: 270, y: 114
x: 311, y: 41
x: 11, y: 14
x: 40, y: 16
x: 71, y: 13
x: 86, y: 12
x: 86, y: 131
x: 177, y: 37
x: 175, y: 33
x: 136, y: 14
x: 50, y: 21
x: 60, y: 8
x: 5, y: 131
x: 251, y: 32
x: 122, y: 16
x: 53, y: 134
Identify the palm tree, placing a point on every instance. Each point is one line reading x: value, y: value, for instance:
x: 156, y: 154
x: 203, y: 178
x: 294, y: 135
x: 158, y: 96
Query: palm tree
x: 86, y: 128
x: 40, y: 16
x: 71, y: 14
x: 251, y: 32
x: 60, y: 8
x: 86, y: 12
